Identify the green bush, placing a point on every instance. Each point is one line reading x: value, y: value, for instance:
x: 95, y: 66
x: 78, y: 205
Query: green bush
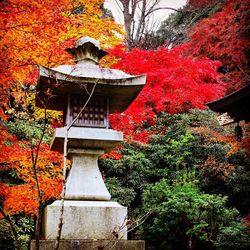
x: 183, y: 216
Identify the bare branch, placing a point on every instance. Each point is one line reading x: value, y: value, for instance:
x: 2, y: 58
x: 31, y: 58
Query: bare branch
x: 152, y: 6
x: 131, y: 227
x: 119, y: 6
x: 137, y: 18
x: 164, y: 8
x: 34, y: 157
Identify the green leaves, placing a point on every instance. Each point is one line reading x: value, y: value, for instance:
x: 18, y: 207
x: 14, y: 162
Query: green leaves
x: 168, y: 177
x: 234, y: 236
x: 182, y: 212
x: 121, y: 194
x: 25, y: 131
x: 24, y: 226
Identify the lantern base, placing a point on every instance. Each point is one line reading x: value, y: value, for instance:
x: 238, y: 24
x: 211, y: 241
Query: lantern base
x: 86, y: 220
x: 90, y: 244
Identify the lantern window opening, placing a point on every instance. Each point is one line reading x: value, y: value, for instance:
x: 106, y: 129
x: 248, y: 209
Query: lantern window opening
x: 95, y: 113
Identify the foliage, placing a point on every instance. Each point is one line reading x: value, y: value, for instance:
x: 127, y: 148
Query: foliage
x: 17, y: 142
x: 229, y: 41
x: 49, y: 170
x: 234, y: 236
x: 126, y: 176
x: 188, y: 165
x: 184, y: 216
x: 180, y: 154
x: 36, y: 33
x: 30, y: 131
x: 25, y: 228
x: 33, y: 33
x: 174, y: 30
x: 175, y: 150
x: 173, y: 81
x: 92, y: 20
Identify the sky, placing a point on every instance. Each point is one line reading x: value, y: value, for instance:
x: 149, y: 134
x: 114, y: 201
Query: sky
x: 159, y: 15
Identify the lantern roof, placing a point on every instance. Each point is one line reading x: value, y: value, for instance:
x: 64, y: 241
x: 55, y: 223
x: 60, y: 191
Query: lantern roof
x: 121, y: 88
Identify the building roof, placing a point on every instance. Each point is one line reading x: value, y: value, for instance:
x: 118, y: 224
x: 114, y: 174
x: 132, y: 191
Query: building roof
x: 236, y: 104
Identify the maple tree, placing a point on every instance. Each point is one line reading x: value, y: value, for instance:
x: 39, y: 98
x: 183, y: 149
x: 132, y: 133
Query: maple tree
x: 50, y: 179
x: 173, y: 82
x: 228, y: 41
x: 33, y: 33
x: 36, y: 33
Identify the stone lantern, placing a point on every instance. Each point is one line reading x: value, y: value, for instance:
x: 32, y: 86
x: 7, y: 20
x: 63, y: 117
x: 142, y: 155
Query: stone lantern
x: 88, y: 212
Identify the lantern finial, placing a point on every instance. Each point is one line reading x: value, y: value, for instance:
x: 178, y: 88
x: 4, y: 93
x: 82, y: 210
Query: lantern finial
x: 87, y: 49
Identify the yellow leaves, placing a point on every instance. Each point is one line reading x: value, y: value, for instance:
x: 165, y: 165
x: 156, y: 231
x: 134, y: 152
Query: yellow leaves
x: 91, y: 7
x: 108, y: 61
x: 91, y: 23
x: 48, y: 166
x: 39, y: 114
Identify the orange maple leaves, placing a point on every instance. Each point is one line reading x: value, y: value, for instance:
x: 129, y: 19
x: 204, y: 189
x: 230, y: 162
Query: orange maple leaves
x: 219, y: 170
x: 35, y: 33
x: 16, y: 156
x: 233, y: 146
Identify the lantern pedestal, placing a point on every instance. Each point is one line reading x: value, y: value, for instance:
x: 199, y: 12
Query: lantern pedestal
x: 85, y: 145
x: 85, y: 180
x: 88, y: 213
x: 86, y: 220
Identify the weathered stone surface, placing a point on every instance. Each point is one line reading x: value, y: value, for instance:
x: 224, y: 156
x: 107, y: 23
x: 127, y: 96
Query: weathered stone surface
x: 85, y: 180
x: 79, y: 137
x: 120, y: 87
x: 91, y: 245
x: 86, y: 220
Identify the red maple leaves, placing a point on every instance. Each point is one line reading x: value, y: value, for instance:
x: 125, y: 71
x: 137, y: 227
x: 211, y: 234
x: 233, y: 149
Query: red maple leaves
x: 224, y: 36
x: 175, y: 83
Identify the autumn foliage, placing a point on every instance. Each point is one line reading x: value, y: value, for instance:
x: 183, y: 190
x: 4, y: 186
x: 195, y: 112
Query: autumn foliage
x: 228, y: 42
x: 175, y: 83
x: 213, y: 62
x: 36, y: 33
x: 16, y: 156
